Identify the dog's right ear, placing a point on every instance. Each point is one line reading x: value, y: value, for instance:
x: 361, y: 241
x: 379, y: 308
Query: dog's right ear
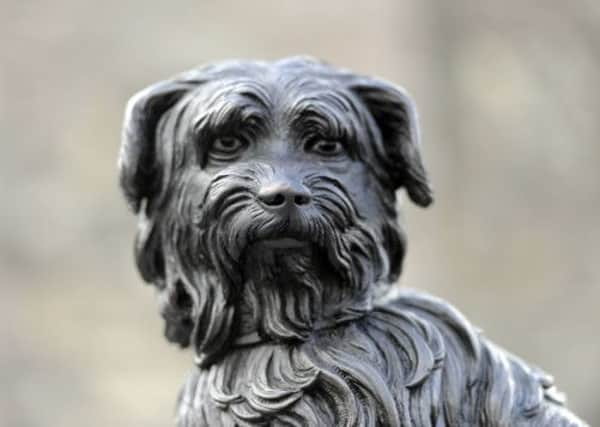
x: 139, y: 172
x: 139, y: 175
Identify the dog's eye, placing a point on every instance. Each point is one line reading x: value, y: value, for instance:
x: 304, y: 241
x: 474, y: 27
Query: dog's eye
x: 227, y: 144
x: 325, y: 148
x: 226, y: 148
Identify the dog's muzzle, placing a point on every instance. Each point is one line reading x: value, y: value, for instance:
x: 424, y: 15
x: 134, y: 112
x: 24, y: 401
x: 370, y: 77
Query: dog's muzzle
x: 257, y: 204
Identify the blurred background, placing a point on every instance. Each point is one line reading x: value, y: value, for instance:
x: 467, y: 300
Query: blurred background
x: 509, y: 96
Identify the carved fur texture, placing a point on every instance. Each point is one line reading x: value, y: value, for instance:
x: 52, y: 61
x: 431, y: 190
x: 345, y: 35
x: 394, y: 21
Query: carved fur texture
x: 266, y: 198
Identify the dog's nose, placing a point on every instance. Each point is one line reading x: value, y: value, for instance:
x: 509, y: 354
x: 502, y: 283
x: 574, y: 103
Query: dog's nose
x: 278, y: 196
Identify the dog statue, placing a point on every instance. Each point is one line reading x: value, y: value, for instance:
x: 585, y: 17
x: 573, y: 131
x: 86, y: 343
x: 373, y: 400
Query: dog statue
x: 266, y: 197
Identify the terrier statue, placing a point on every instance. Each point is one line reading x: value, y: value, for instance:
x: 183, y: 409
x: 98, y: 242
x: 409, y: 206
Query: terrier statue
x: 266, y: 197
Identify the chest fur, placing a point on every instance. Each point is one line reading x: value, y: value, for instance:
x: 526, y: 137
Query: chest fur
x: 383, y: 369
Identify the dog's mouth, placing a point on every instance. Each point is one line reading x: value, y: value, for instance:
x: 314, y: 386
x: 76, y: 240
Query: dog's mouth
x: 279, y: 243
x: 282, y: 243
x: 288, y: 235
x: 265, y: 248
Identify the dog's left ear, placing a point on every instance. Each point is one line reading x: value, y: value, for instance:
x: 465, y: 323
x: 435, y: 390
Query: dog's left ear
x: 395, y: 115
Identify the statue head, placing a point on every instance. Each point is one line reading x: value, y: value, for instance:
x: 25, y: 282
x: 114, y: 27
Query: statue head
x: 266, y: 195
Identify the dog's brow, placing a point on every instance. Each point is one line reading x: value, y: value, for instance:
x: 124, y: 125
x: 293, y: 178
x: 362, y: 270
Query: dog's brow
x: 326, y: 114
x: 240, y: 107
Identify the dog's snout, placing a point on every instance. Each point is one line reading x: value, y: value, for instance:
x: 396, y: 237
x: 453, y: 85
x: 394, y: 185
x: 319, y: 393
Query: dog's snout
x: 283, y: 196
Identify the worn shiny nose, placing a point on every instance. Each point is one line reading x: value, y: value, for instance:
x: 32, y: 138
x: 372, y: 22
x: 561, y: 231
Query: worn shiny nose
x: 280, y: 196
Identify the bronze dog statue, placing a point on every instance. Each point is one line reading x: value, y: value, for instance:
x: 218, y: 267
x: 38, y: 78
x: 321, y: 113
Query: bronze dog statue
x: 266, y: 197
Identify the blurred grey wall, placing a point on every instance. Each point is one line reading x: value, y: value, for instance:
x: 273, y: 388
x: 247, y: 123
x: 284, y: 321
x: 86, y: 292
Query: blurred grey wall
x: 509, y: 96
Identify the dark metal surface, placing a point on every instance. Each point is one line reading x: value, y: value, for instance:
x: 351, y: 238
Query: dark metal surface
x: 266, y: 199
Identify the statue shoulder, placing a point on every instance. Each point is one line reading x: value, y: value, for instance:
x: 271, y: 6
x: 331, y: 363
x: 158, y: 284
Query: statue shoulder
x: 435, y: 313
x: 481, y: 382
